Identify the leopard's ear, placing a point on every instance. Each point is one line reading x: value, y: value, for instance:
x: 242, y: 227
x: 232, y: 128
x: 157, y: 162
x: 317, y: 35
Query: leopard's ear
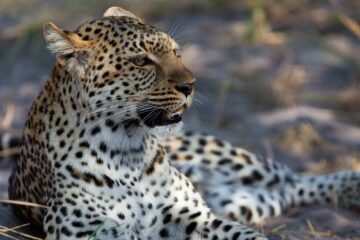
x: 120, y: 12
x: 72, y: 52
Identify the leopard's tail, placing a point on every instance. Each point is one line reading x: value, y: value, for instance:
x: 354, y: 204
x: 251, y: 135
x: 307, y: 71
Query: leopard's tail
x: 254, y: 205
x: 9, y: 144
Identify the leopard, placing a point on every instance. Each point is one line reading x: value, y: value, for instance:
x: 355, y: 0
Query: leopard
x: 103, y: 151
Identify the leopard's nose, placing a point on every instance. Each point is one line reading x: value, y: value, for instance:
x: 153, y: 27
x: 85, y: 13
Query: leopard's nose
x: 185, y: 88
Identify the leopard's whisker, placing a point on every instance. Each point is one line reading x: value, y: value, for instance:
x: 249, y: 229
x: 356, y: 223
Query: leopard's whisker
x: 103, y: 103
x: 114, y: 115
x: 175, y: 26
x: 123, y: 111
x: 112, y: 107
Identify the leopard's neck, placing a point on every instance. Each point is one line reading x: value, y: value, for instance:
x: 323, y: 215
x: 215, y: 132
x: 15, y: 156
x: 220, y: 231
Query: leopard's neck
x: 76, y: 133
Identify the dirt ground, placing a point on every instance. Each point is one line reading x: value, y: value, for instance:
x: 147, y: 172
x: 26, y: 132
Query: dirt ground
x: 280, y: 78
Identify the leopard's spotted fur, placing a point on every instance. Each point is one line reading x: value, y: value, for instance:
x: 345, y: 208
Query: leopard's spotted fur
x: 89, y: 153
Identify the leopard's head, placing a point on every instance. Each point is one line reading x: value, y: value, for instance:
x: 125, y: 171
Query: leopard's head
x: 125, y: 68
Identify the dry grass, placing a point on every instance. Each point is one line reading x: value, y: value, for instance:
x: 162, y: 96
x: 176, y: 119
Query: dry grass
x: 8, y: 232
x: 302, y: 139
x: 7, y: 120
x: 23, y: 203
x: 259, y: 28
x: 317, y: 234
x: 9, y: 152
x: 5, y: 230
x: 350, y: 99
x: 288, y: 81
x: 351, y: 24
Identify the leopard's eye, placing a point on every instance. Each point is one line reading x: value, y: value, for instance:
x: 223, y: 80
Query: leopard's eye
x: 177, y: 52
x: 141, y: 61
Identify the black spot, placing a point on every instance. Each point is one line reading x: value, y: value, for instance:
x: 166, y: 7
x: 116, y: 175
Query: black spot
x: 247, y: 180
x: 274, y: 181
x: 219, y: 143
x: 66, y: 231
x: 184, y: 210
x: 118, y: 67
x: 164, y: 233
x: 199, y: 151
x: 236, y: 236
x: 60, y: 131
x: 121, y: 216
x: 63, y: 210
x: 77, y: 213
x: 225, y: 202
x: 77, y: 224
x: 216, y: 223
x: 79, y: 154
x: 257, y: 175
x: 246, y: 158
x: 233, y: 152
x: 217, y: 153
x: 224, y: 161
x: 227, y: 228
x: 237, y: 167
x: 95, y: 130
x: 109, y: 123
x: 62, y: 143
x: 84, y: 144
x: 260, y: 211
x: 108, y: 181
x: 202, y: 142
x: 246, y: 212
x: 206, y: 161
x: 301, y: 192
x: 51, y: 229
x: 191, y: 227
x: 195, y: 215
x: 103, y: 147
x: 272, y: 211
x: 100, y: 67
x: 167, y: 218
x: 83, y: 234
x: 105, y: 74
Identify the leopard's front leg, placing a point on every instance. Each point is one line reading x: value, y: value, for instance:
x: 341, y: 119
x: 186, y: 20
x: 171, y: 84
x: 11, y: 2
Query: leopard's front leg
x: 219, y: 228
x: 76, y: 214
x: 65, y: 221
x: 183, y: 214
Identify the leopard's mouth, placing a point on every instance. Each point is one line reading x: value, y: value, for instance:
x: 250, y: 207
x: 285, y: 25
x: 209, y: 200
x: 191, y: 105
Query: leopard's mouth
x: 153, y: 116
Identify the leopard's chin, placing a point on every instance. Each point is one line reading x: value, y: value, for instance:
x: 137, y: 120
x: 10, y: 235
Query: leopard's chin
x: 159, y: 117
x: 154, y: 117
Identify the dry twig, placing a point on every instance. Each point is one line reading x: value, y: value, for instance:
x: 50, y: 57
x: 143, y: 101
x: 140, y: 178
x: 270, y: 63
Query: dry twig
x: 23, y: 203
x: 317, y: 234
x: 5, y: 229
x: 348, y: 22
x: 9, y: 152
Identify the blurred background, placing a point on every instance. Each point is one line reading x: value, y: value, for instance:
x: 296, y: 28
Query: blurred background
x: 277, y: 77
